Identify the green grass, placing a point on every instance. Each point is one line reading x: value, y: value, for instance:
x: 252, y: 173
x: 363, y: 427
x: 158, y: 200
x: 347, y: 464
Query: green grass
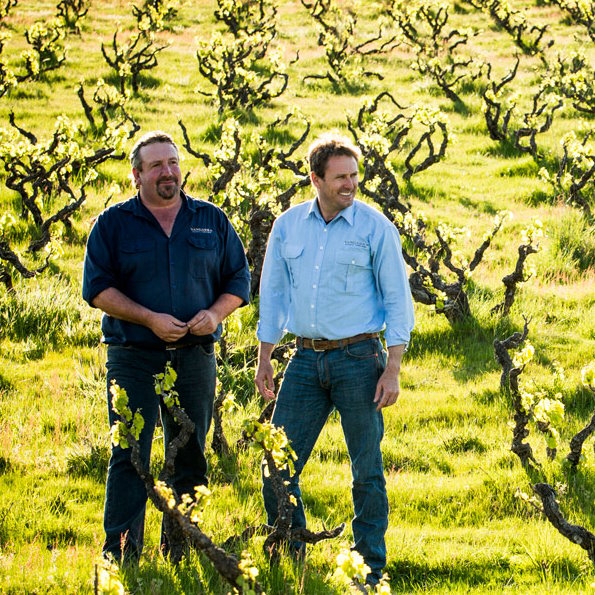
x: 455, y: 523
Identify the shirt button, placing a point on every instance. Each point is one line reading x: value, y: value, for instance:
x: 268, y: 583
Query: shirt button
x: 311, y: 305
x: 316, y: 267
x: 314, y: 286
x: 322, y: 247
x: 312, y: 325
x: 353, y: 262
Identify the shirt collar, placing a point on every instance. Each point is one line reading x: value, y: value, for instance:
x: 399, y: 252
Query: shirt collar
x: 347, y: 214
x: 135, y: 204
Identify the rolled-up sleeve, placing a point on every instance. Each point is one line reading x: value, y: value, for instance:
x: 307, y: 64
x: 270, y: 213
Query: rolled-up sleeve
x: 393, y: 286
x: 235, y: 269
x: 98, y: 272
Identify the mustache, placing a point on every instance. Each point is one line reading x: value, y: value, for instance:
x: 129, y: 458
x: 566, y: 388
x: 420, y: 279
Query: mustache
x: 167, y: 179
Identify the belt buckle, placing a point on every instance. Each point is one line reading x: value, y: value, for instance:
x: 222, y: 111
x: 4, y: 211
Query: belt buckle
x: 175, y: 347
x: 314, y: 345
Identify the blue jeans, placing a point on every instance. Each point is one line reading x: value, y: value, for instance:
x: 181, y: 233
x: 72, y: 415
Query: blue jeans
x: 126, y: 495
x: 345, y: 379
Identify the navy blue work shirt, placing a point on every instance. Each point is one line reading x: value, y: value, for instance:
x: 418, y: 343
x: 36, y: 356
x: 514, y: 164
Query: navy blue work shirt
x: 179, y: 275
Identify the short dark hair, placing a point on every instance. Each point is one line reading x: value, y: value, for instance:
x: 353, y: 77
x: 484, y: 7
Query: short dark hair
x: 156, y: 136
x: 326, y: 146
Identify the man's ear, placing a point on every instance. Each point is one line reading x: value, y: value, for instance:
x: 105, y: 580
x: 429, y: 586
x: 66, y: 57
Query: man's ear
x: 315, y: 180
x: 136, y: 177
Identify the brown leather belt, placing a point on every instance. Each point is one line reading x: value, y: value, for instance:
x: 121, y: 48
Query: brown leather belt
x: 328, y: 344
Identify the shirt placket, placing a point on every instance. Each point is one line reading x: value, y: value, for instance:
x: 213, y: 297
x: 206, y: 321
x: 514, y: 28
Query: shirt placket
x: 175, y: 281
x: 322, y: 241
x: 173, y: 284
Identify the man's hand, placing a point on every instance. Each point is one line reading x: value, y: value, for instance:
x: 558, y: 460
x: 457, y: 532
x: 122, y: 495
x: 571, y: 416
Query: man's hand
x: 265, y: 375
x: 168, y: 328
x: 204, y: 322
x: 114, y: 303
x: 388, y: 388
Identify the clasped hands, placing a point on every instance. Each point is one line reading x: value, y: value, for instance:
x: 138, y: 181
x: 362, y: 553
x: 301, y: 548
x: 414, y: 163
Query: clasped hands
x: 170, y: 329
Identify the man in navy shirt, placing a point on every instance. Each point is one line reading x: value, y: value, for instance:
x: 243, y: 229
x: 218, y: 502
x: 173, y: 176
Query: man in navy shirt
x: 166, y: 269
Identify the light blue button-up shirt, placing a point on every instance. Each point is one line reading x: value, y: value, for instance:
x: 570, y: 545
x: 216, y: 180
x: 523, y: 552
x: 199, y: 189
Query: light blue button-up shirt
x: 335, y: 280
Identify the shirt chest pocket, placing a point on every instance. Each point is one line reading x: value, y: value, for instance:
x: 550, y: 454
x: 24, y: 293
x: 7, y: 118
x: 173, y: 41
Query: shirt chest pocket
x: 292, y: 255
x: 354, y: 268
x: 138, y: 260
x: 202, y: 255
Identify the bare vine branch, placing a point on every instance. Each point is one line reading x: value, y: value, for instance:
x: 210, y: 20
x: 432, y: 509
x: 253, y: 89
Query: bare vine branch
x: 575, y: 533
x: 336, y: 35
x: 509, y: 381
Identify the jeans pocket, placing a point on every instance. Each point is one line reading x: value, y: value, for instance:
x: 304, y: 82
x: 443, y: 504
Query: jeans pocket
x: 382, y: 358
x: 363, y: 350
x: 207, y: 348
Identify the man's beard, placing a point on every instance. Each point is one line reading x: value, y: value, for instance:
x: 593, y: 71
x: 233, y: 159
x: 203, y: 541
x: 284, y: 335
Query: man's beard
x: 167, y: 192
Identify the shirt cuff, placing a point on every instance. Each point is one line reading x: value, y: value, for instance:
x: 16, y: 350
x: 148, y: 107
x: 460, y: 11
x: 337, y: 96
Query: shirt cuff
x: 91, y: 291
x: 239, y: 288
x: 393, y: 339
x: 268, y: 335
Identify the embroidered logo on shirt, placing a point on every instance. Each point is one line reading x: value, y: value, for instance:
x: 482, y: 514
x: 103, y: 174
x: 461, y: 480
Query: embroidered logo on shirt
x: 356, y: 243
x: 201, y: 230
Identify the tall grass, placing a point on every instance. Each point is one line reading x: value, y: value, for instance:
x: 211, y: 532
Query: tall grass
x: 46, y: 314
x: 572, y: 250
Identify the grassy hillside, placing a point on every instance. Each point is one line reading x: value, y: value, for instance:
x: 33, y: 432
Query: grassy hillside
x: 455, y: 522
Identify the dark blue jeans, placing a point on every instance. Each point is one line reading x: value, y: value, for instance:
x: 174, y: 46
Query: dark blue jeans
x: 344, y: 379
x: 125, y: 495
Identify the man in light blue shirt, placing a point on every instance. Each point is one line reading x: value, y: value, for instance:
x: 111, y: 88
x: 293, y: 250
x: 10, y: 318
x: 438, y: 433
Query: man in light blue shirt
x: 334, y: 276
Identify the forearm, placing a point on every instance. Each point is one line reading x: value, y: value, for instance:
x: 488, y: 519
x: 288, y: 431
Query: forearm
x: 395, y: 357
x: 114, y: 303
x: 265, y: 351
x: 205, y: 322
x: 117, y: 305
x: 224, y: 305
